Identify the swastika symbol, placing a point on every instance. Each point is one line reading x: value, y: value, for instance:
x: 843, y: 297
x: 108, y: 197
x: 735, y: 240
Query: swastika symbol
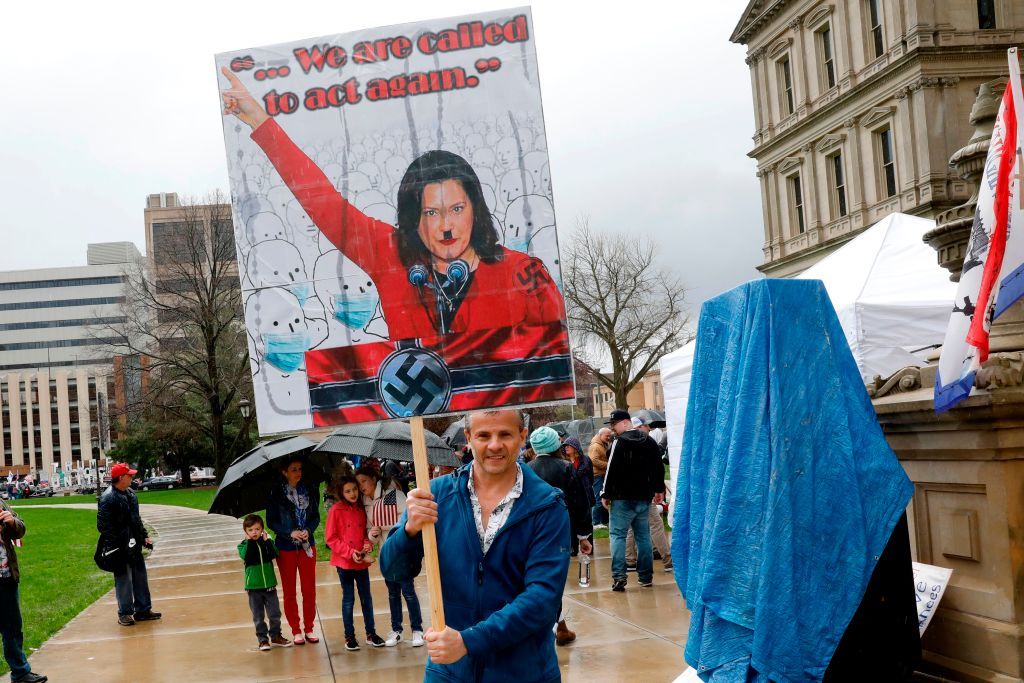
x: 533, y: 276
x: 414, y: 382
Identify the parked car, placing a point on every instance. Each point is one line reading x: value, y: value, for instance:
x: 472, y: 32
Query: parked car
x: 165, y: 482
x: 44, y: 490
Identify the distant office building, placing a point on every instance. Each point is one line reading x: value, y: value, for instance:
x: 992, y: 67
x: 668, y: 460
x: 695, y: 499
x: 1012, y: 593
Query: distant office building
x: 858, y: 107
x: 64, y: 317
x: 59, y: 381
x: 55, y: 420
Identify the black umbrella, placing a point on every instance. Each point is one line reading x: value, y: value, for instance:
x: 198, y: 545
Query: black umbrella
x: 381, y: 440
x: 455, y: 435
x: 653, y: 418
x: 247, y: 483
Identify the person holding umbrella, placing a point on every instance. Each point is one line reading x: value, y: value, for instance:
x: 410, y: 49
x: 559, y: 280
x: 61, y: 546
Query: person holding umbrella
x: 293, y: 514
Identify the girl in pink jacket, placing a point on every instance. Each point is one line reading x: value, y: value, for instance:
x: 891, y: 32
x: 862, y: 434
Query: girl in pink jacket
x: 350, y: 548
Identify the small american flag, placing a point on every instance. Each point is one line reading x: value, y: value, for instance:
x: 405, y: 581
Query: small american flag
x: 385, y: 510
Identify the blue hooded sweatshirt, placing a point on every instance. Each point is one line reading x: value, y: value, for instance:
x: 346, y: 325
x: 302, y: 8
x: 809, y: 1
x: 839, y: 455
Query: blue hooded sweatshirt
x: 504, y: 603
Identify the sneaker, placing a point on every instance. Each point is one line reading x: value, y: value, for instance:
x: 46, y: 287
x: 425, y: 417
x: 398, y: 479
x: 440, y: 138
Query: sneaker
x: 417, y: 639
x: 374, y: 640
x: 646, y: 584
x: 148, y: 615
x: 126, y: 620
x: 619, y: 586
x: 630, y: 567
x: 669, y: 566
x: 280, y: 641
x: 264, y: 646
x: 31, y: 677
x: 656, y: 554
x: 351, y: 644
x: 310, y: 638
x: 394, y: 638
x: 298, y: 639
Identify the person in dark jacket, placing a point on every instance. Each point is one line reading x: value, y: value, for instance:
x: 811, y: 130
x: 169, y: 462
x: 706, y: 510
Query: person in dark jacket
x: 12, y: 528
x: 293, y: 514
x: 119, y: 521
x: 557, y: 472
x: 634, y: 476
x: 503, y: 536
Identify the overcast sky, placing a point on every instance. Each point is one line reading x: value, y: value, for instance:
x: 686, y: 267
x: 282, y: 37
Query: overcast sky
x: 648, y: 115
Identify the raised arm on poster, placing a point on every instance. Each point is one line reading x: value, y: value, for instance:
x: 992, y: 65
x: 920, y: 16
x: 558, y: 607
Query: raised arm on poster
x: 393, y: 211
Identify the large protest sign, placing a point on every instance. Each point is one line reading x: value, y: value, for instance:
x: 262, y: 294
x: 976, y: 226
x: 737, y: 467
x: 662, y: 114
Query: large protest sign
x: 394, y: 221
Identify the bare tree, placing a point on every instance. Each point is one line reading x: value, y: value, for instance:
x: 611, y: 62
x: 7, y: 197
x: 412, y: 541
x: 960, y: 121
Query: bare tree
x: 624, y: 310
x: 183, y: 312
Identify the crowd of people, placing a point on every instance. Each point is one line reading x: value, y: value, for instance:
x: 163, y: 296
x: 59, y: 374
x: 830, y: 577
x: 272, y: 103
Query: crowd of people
x: 509, y: 522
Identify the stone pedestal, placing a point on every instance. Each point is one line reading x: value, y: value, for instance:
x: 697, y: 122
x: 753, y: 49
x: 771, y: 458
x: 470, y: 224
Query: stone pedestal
x: 967, y: 514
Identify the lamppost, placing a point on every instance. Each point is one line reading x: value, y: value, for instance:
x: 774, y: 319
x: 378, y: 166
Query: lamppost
x: 245, y: 408
x: 96, y: 462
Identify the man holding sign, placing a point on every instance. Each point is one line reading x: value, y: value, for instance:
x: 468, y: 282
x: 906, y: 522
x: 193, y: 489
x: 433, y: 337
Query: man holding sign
x: 503, y: 536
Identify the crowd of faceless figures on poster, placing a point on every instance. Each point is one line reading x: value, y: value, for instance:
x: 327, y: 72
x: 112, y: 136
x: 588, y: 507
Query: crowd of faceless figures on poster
x: 283, y: 251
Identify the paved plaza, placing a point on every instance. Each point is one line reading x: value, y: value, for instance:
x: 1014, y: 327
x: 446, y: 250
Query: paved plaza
x: 207, y: 634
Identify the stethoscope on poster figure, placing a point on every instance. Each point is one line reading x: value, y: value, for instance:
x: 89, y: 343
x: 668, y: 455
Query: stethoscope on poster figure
x: 444, y: 304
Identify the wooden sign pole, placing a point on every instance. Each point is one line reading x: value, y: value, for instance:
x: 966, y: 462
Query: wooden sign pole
x: 419, y: 454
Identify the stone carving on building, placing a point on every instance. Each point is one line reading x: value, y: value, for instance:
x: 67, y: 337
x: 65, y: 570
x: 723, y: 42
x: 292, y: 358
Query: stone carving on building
x: 1000, y: 371
x: 953, y: 227
x: 907, y: 379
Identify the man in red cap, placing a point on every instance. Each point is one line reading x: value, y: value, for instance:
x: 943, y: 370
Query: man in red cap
x: 118, y: 519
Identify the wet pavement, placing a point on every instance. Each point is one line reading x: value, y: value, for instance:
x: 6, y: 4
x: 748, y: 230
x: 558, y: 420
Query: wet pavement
x: 207, y: 633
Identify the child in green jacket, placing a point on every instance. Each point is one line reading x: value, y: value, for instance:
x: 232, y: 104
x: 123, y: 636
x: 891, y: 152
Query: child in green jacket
x: 258, y: 552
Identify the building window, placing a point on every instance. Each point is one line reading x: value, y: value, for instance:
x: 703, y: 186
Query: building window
x: 887, y: 163
x: 986, y: 14
x: 796, y: 198
x: 838, y: 179
x: 828, y: 65
x: 786, y: 79
x: 875, y: 21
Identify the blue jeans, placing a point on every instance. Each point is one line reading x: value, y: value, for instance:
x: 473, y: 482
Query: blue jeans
x: 10, y: 629
x: 359, y: 579
x: 598, y: 515
x: 626, y: 514
x: 412, y: 601
x: 131, y: 585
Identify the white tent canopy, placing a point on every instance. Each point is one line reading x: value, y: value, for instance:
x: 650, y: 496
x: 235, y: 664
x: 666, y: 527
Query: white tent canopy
x: 892, y: 298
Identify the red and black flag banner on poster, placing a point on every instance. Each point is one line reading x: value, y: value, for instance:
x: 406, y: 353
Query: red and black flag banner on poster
x: 393, y: 216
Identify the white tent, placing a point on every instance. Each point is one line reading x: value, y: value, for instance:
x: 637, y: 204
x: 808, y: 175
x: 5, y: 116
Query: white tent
x: 892, y: 298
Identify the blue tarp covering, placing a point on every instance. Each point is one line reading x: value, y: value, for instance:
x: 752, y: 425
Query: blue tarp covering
x: 787, y: 490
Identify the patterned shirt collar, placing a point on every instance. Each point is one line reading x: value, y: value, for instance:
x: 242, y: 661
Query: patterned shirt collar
x: 501, y: 511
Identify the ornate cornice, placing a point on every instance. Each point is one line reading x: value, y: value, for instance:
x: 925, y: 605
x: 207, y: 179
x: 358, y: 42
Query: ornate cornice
x: 789, y: 163
x: 877, y: 115
x: 754, y: 17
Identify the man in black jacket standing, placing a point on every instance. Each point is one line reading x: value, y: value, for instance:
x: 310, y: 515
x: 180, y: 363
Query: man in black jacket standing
x: 635, y: 474
x: 119, y: 521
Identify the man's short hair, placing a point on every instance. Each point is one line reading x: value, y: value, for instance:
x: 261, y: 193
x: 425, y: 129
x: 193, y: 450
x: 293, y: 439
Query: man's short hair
x: 252, y: 520
x: 519, y: 414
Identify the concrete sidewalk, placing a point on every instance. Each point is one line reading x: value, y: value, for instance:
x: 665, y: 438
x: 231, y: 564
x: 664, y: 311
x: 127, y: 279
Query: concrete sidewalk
x: 207, y: 633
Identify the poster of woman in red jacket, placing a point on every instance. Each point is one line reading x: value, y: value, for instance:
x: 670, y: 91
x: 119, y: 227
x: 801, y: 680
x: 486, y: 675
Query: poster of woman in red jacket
x: 392, y: 289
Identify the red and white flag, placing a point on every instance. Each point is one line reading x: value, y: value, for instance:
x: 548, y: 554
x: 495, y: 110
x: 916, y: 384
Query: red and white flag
x: 992, y: 279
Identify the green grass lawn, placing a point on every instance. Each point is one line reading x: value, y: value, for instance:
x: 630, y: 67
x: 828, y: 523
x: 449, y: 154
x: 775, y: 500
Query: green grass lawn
x: 58, y: 576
